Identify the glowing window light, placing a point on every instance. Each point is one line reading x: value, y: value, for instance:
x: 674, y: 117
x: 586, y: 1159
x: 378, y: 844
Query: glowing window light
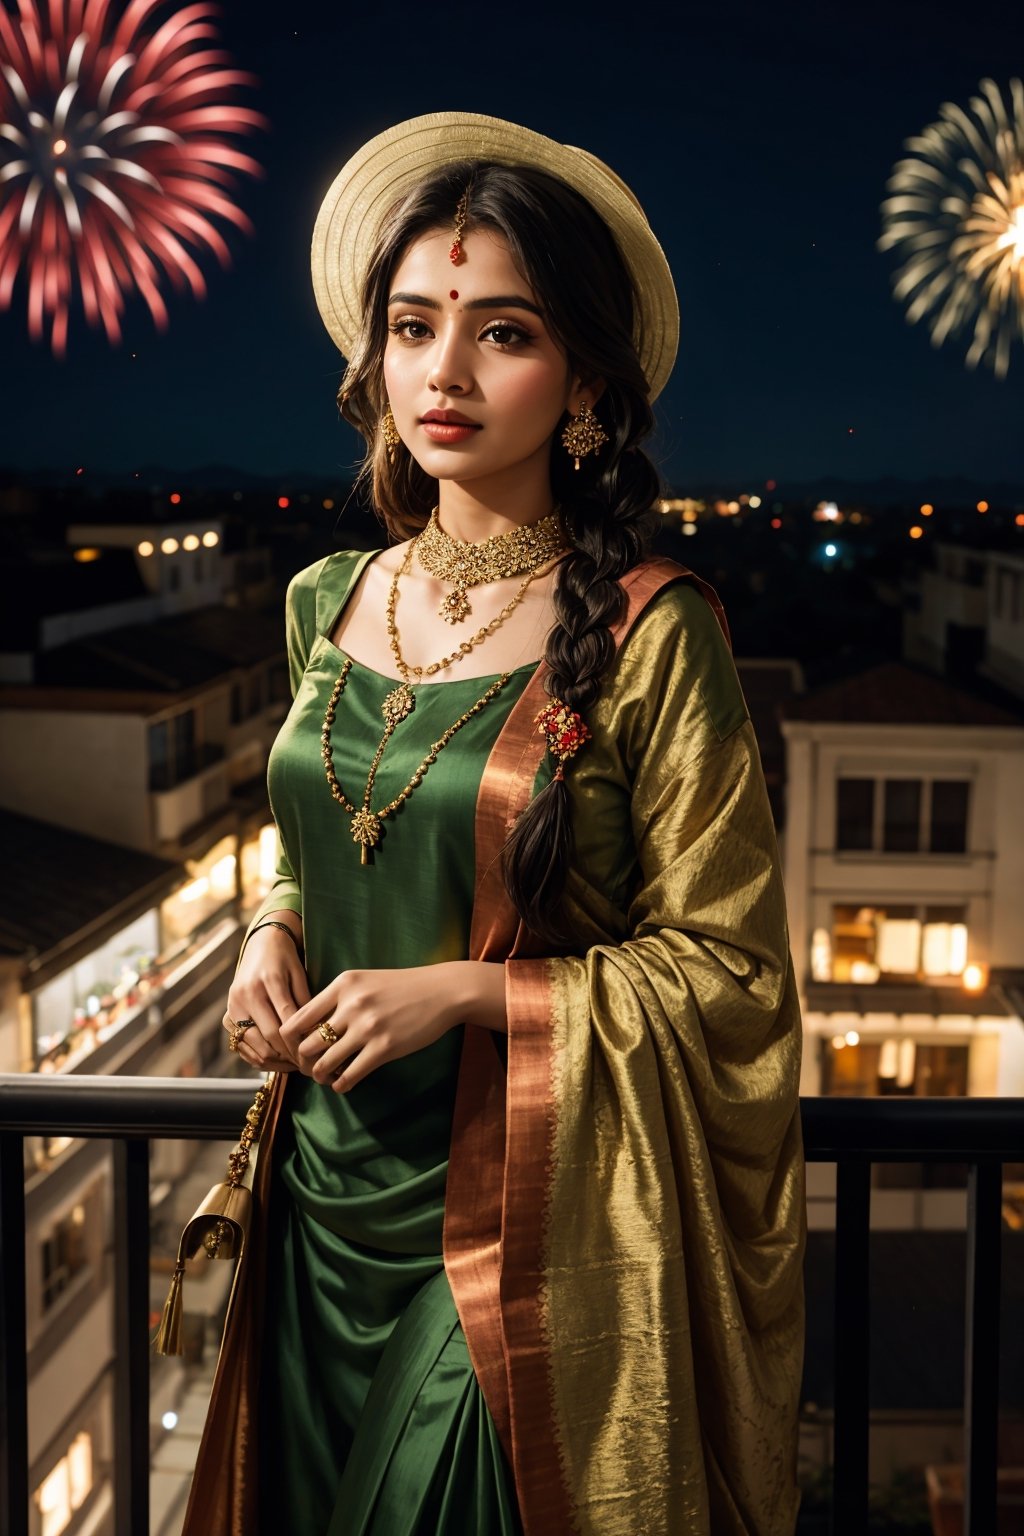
x: 852, y: 1037
x: 169, y: 546
x: 839, y: 1042
x: 907, y: 1064
x: 145, y: 549
x: 974, y: 977
x: 87, y: 556
x: 916, y: 531
x: 195, y: 890
x: 210, y: 539
x: 80, y: 1469
x: 268, y: 852
x: 888, y: 1059
x: 222, y: 876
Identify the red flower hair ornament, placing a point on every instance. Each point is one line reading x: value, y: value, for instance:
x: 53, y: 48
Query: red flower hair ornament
x: 565, y: 732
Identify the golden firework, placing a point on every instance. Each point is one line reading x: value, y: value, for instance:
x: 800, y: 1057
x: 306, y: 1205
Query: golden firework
x: 955, y: 216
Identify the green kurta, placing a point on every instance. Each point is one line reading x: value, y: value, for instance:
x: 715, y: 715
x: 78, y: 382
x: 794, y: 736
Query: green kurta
x: 372, y: 1418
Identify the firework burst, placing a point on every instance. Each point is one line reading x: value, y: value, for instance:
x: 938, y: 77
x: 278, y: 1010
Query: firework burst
x: 955, y: 215
x: 117, y: 160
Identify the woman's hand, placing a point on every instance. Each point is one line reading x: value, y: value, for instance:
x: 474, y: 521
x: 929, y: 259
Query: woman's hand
x: 270, y: 985
x: 380, y: 1016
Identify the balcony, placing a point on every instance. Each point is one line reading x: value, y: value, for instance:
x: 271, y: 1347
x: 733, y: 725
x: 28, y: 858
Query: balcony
x: 853, y: 1134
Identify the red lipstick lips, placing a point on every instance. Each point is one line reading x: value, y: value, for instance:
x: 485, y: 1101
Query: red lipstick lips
x: 448, y: 426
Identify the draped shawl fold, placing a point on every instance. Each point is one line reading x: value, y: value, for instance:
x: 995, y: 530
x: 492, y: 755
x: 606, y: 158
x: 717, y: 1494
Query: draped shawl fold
x: 624, y: 1215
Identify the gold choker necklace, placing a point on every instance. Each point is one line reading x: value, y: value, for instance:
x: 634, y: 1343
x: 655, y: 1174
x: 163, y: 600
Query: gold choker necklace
x: 503, y: 554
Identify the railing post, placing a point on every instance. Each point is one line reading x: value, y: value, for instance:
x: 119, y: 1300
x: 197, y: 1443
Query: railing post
x: 131, y: 1338
x: 852, y: 1341
x: 13, y: 1343
x: 981, y: 1346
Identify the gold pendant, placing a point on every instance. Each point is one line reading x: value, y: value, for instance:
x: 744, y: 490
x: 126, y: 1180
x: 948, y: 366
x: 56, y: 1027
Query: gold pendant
x: 454, y: 606
x: 399, y: 703
x: 366, y: 832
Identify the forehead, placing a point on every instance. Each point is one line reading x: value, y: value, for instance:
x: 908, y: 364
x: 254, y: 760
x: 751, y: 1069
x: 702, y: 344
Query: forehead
x: 486, y: 266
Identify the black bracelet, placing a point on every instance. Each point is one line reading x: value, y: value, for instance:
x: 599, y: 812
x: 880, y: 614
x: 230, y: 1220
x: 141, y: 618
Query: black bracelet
x: 272, y: 922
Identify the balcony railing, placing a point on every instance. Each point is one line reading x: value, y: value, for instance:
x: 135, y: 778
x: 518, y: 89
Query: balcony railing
x: 852, y: 1133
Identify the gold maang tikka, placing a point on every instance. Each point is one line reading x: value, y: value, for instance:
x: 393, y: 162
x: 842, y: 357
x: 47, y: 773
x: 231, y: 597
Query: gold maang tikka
x: 461, y: 214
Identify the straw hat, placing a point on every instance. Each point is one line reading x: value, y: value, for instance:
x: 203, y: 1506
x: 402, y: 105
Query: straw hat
x: 393, y: 162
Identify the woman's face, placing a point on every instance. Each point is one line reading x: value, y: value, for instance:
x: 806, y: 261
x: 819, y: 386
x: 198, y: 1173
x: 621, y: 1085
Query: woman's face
x: 469, y: 343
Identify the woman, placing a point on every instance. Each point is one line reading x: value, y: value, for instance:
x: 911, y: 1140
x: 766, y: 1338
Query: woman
x: 533, y: 1251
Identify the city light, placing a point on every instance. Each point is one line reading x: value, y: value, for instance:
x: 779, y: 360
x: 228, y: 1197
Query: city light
x: 328, y: 504
x: 839, y: 1042
x: 1019, y: 519
x: 211, y: 539
x: 982, y: 506
x: 283, y: 502
x: 831, y: 549
x: 776, y: 522
x: 927, y: 509
x: 190, y: 541
x: 169, y: 1420
x: 169, y: 546
x: 689, y: 528
x: 852, y: 1037
x: 755, y: 501
x: 144, y: 549
x: 974, y: 977
x: 175, y: 498
x: 86, y: 556
x: 916, y: 531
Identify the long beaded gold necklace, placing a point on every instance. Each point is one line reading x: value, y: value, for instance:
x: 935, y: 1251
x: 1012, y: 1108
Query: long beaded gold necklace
x: 367, y: 828
x: 468, y: 565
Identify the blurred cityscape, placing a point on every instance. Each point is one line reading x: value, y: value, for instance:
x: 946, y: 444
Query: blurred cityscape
x: 879, y: 636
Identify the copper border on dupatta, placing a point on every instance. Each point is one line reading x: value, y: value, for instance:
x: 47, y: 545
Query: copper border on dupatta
x: 502, y: 1134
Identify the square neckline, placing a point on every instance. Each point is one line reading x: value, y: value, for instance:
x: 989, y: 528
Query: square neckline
x: 325, y: 635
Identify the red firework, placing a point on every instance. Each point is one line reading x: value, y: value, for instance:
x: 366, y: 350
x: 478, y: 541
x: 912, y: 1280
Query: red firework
x: 115, y: 155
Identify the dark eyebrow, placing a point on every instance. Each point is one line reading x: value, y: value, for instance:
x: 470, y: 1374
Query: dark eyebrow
x: 499, y: 301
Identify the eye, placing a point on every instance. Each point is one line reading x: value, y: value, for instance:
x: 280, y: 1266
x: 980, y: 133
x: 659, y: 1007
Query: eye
x: 506, y: 334
x: 410, y: 328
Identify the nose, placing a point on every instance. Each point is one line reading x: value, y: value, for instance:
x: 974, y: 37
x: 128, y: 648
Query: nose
x: 450, y: 370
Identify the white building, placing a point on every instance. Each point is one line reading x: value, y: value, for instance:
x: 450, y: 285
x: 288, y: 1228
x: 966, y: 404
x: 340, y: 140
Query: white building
x: 904, y: 865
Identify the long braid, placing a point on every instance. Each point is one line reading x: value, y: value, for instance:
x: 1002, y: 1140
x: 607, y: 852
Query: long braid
x: 610, y: 530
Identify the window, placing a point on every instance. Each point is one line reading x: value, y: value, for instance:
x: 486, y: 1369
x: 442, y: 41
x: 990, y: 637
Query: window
x: 902, y: 815
x: 64, y: 1255
x: 891, y: 943
x: 172, y: 750
x: 66, y: 1488
x: 855, y: 813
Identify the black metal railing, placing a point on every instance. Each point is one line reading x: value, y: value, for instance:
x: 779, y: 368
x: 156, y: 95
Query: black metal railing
x: 853, y: 1133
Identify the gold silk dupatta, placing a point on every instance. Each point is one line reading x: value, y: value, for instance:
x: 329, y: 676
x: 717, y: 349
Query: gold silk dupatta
x: 624, y: 1221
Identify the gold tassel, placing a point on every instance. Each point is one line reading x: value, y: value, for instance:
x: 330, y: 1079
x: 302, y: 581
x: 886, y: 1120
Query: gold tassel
x: 168, y: 1335
x: 220, y: 1225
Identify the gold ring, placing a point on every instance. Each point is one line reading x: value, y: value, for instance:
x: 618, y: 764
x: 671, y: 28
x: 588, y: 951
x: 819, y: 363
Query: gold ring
x: 238, y: 1029
x: 327, y: 1030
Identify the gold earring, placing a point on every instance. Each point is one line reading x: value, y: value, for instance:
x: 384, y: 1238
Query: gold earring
x: 389, y: 432
x: 583, y: 434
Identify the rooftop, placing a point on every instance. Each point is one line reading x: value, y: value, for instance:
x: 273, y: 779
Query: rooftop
x: 895, y: 694
x: 60, y: 884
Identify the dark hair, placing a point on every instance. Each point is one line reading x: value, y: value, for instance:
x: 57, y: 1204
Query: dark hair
x: 568, y: 255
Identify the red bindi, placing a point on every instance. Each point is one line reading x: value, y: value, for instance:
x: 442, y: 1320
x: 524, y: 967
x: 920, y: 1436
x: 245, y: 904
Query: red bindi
x: 454, y: 293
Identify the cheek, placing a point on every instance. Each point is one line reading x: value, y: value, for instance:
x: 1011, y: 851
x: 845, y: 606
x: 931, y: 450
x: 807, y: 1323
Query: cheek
x: 539, y: 392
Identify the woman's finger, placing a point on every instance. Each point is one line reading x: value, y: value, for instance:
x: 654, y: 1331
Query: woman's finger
x: 358, y: 1066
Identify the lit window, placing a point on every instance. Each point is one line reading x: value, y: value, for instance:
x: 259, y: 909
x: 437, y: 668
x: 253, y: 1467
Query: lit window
x: 66, y: 1488
x: 895, y: 943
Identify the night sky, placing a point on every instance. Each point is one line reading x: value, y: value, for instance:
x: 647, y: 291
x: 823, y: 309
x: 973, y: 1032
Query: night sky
x: 759, y: 140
